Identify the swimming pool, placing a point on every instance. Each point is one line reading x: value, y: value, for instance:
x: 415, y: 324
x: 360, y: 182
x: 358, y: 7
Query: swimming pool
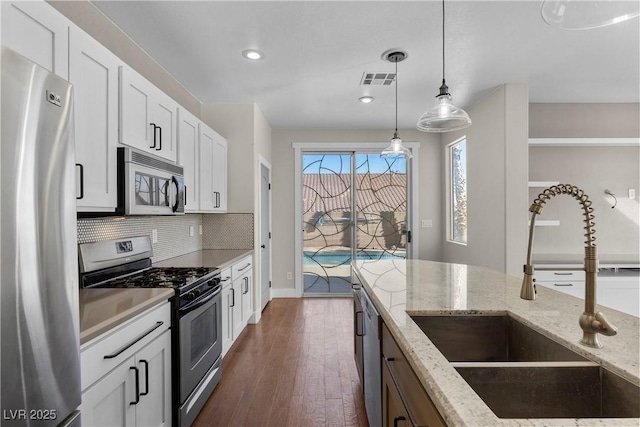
x: 336, y: 258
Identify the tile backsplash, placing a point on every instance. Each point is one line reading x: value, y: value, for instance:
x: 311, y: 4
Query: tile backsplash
x: 220, y: 231
x: 173, y: 232
x: 227, y: 231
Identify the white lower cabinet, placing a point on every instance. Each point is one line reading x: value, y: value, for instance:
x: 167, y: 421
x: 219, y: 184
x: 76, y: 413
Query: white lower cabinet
x: 126, y: 373
x: 237, y: 300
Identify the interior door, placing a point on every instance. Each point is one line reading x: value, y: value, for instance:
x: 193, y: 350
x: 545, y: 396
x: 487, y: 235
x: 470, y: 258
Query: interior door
x: 265, y: 235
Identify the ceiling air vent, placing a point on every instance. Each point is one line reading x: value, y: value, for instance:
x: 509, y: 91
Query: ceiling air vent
x: 377, y: 79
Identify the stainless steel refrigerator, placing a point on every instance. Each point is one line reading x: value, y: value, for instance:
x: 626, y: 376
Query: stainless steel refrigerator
x: 40, y: 357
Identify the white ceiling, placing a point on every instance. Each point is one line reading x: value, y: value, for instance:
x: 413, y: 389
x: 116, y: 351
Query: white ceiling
x: 316, y: 53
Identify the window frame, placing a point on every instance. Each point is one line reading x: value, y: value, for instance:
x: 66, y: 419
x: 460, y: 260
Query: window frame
x: 449, y: 192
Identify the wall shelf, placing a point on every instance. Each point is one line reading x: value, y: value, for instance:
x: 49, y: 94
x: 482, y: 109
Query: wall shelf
x: 546, y: 223
x: 584, y: 142
x: 542, y: 184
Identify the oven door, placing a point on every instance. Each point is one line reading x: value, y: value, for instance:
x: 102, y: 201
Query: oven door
x: 200, y: 337
x: 152, y: 191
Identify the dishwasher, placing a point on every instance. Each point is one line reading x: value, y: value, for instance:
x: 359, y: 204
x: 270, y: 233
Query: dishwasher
x: 372, y: 361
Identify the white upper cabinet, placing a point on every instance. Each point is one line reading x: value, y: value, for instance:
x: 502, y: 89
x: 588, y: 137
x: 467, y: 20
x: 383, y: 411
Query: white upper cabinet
x: 188, y: 157
x: 37, y: 31
x: 220, y: 173
x: 93, y: 71
x: 147, y: 116
x: 213, y: 170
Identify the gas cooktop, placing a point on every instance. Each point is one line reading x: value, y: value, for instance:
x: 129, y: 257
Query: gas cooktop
x: 169, y: 277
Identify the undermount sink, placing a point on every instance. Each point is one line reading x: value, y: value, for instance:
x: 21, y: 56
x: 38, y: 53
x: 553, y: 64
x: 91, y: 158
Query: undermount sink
x: 587, y: 391
x: 520, y: 373
x: 493, y: 338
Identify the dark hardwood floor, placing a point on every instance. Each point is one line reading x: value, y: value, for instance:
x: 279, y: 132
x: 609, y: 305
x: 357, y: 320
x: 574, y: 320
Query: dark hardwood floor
x: 294, y: 368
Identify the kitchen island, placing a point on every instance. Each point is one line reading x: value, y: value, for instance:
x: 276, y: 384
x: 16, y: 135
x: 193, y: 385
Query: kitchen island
x: 400, y: 288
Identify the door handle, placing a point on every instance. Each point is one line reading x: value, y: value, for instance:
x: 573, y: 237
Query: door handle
x: 154, y: 135
x: 159, y: 139
x: 356, y: 324
x: 81, y: 181
x: 262, y: 246
x: 137, y: 371
x: 146, y: 377
x: 397, y: 419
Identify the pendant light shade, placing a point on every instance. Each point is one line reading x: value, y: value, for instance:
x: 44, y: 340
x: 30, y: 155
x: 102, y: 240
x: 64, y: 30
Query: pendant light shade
x: 444, y: 116
x: 587, y: 14
x: 396, y: 149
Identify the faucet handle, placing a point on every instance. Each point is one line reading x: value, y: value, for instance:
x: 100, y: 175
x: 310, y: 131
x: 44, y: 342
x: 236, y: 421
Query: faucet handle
x: 603, y: 326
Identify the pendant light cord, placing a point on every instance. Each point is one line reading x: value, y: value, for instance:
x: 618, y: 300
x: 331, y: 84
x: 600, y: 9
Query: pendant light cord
x: 396, y: 95
x: 443, y: 41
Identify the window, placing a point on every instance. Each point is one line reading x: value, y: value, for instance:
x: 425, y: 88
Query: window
x: 457, y: 180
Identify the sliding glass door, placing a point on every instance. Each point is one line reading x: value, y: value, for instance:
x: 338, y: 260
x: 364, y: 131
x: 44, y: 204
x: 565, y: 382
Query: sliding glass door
x: 354, y: 204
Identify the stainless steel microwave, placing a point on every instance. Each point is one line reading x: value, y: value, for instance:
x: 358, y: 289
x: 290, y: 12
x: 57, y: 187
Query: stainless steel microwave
x: 148, y: 185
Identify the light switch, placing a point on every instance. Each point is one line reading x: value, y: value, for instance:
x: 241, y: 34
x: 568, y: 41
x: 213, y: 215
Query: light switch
x: 632, y: 193
x: 191, y: 231
x: 427, y: 223
x: 154, y: 236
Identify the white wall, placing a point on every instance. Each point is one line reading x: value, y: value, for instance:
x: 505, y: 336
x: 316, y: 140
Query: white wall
x: 283, y: 189
x: 593, y: 169
x: 497, y: 175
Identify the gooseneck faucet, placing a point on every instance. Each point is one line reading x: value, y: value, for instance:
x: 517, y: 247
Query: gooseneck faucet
x: 591, y: 322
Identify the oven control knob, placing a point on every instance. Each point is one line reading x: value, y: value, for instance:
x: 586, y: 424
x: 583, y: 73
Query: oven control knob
x: 193, y: 294
x: 213, y: 282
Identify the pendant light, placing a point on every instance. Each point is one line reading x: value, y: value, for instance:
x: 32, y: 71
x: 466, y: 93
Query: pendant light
x: 587, y: 14
x: 444, y: 116
x: 396, y: 149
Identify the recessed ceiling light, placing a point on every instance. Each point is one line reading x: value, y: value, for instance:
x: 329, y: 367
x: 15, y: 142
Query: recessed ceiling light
x: 252, y: 54
x: 366, y: 99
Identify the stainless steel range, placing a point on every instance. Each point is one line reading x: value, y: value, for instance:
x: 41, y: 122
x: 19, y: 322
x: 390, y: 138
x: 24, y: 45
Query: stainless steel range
x: 197, y: 313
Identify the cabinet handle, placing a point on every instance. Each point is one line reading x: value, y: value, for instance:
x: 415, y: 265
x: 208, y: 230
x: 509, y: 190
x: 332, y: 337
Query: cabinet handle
x: 81, y: 181
x: 146, y: 377
x: 137, y: 371
x: 390, y: 359
x: 185, y: 195
x: 248, y: 265
x: 135, y: 340
x: 159, y: 139
x: 355, y: 325
x: 397, y: 419
x: 154, y: 134
x: 226, y: 279
x: 563, y: 284
x: 233, y: 297
x: 563, y: 274
x: 216, y: 196
x: 246, y: 284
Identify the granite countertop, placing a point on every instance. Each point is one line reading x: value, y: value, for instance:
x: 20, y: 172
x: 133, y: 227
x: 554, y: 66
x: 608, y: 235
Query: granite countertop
x: 102, y: 309
x: 211, y: 258
x: 424, y: 287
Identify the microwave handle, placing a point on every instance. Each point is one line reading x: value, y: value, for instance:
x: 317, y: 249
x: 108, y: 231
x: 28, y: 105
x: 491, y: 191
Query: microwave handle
x: 174, y: 181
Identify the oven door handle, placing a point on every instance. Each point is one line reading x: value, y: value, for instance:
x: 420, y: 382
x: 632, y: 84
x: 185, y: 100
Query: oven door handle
x: 196, y: 304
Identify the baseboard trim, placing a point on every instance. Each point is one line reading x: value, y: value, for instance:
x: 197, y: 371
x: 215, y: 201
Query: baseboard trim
x: 284, y: 293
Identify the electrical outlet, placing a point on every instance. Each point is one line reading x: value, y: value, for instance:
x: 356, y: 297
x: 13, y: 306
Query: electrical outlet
x: 154, y: 236
x: 191, y: 231
x: 427, y: 223
x: 632, y: 193
x: 289, y: 275
x: 200, y: 229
